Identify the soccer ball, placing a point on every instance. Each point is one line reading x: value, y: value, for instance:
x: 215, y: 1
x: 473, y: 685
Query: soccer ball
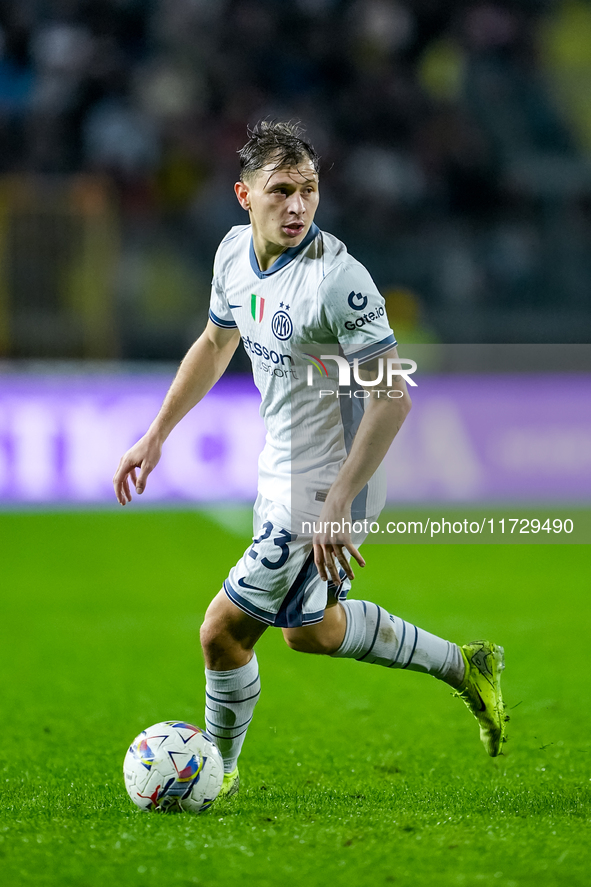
x: 173, y: 766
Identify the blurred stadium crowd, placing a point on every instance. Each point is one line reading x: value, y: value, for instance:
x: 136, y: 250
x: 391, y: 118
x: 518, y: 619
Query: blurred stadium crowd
x: 455, y: 140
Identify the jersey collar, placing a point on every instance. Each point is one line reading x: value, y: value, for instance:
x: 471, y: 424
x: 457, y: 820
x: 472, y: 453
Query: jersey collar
x: 285, y: 257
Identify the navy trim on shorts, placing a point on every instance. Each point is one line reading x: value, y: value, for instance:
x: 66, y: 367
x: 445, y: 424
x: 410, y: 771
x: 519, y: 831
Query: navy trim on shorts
x: 246, y: 606
x: 290, y: 613
x: 339, y: 592
x: 268, y: 618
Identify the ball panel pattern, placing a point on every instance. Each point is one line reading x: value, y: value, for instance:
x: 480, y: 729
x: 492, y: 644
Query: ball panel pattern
x: 173, y: 765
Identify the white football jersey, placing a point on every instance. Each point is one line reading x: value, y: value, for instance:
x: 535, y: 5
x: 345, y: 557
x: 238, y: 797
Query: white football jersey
x: 314, y: 300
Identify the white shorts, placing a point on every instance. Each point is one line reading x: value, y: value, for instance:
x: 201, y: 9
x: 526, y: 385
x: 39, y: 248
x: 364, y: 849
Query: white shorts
x: 276, y: 580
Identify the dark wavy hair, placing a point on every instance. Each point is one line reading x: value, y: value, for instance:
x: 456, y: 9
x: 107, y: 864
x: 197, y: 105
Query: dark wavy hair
x: 277, y: 142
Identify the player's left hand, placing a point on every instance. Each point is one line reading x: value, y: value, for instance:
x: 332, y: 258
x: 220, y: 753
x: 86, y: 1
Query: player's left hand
x: 330, y: 546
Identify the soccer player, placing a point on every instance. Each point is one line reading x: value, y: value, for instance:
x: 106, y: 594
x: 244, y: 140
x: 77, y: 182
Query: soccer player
x: 286, y: 289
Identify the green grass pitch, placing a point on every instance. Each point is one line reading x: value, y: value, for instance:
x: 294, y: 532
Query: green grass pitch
x: 351, y: 774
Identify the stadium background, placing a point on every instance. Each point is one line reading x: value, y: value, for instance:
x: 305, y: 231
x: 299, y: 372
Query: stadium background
x: 455, y: 139
x: 456, y: 144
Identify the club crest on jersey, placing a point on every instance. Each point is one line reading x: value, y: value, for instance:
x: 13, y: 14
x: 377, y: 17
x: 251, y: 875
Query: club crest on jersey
x: 281, y: 325
x: 257, y: 307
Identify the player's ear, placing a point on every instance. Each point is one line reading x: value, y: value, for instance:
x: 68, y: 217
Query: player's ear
x: 242, y: 192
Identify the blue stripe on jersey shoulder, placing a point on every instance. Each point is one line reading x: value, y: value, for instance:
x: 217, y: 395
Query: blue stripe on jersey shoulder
x: 286, y: 257
x: 224, y: 324
x: 367, y: 352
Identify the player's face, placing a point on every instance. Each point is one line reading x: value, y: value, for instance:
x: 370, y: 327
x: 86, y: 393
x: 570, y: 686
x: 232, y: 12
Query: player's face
x: 281, y: 202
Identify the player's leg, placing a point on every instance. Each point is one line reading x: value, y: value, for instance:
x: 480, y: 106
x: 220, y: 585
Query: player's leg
x: 228, y: 635
x: 232, y: 688
x: 265, y: 587
x: 321, y: 638
x: 364, y: 631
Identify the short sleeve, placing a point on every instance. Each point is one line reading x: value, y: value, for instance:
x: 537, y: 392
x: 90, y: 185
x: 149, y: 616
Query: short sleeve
x: 352, y: 307
x: 219, y: 310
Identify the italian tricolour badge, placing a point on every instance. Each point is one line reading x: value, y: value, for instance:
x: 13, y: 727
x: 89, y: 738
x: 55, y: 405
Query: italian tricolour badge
x: 257, y: 306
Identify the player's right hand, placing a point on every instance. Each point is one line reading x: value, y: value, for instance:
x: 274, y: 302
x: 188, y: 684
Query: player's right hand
x: 145, y: 455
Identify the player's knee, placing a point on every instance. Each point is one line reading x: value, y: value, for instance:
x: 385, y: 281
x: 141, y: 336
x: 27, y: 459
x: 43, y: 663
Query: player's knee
x: 205, y: 636
x: 212, y: 639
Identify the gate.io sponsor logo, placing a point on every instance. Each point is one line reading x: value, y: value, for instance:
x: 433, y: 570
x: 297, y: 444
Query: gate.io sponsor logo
x: 356, y: 301
x: 365, y: 318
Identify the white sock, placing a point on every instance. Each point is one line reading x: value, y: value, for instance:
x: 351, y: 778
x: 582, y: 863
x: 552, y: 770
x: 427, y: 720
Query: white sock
x: 374, y: 635
x: 230, y: 698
